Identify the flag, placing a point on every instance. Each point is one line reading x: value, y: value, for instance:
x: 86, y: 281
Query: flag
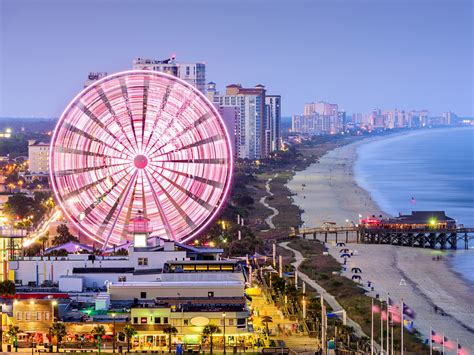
x: 375, y: 309
x: 408, y: 311
x: 408, y: 324
x: 391, y: 307
x: 384, y: 315
x: 436, y: 338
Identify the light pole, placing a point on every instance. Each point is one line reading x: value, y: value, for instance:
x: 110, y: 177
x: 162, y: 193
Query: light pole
x: 113, y: 334
x: 223, y: 316
x: 53, y: 303
x: 1, y: 327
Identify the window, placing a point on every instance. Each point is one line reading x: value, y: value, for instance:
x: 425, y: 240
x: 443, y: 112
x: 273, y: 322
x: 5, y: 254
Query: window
x: 142, y: 261
x: 27, y: 315
x: 186, y: 321
x: 38, y: 315
x: 165, y: 320
x: 18, y: 315
x: 122, y: 278
x: 222, y: 322
x: 231, y: 321
x: 135, y: 320
x: 143, y: 320
x: 157, y: 320
x: 241, y: 322
x: 210, y: 294
x: 46, y: 315
x: 142, y: 294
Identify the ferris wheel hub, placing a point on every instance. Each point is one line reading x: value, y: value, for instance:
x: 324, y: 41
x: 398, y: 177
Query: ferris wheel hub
x: 140, y: 161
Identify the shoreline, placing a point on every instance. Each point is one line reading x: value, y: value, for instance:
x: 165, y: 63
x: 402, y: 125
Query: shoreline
x: 331, y: 193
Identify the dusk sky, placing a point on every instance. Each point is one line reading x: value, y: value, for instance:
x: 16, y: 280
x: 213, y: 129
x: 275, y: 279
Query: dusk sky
x: 409, y: 54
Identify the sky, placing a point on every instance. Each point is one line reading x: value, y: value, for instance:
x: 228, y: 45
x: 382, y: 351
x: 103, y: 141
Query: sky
x: 360, y: 54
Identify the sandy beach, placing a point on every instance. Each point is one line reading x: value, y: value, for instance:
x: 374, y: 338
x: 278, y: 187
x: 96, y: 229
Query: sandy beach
x: 330, y: 194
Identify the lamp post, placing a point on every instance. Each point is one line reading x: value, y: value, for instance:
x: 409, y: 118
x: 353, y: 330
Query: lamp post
x: 53, y: 303
x: 1, y: 327
x: 113, y: 333
x: 223, y: 316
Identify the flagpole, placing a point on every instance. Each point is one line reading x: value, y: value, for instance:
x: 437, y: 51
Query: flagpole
x: 372, y: 329
x: 457, y: 346
x: 381, y: 328
x: 388, y: 324
x: 403, y: 324
x: 392, y: 339
x: 442, y: 341
x: 431, y: 340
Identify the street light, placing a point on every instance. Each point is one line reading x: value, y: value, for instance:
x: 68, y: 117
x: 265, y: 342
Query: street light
x: 53, y: 303
x: 113, y: 334
x: 1, y: 327
x: 223, y: 316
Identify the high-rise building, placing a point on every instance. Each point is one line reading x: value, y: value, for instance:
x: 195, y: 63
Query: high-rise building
x: 328, y: 118
x: 94, y: 76
x: 192, y: 73
x: 38, y: 157
x: 273, y: 124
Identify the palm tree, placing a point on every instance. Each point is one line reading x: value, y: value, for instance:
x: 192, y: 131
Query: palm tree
x: 209, y: 330
x: 7, y: 288
x: 13, y: 331
x: 266, y: 320
x: 59, y: 330
x: 170, y: 330
x: 99, y: 331
x: 43, y: 239
x: 129, y: 332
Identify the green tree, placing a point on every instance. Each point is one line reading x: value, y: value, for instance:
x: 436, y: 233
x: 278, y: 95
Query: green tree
x: 19, y: 206
x: 43, y: 240
x: 7, y: 288
x: 64, y: 236
x: 208, y: 331
x: 98, y: 331
x: 129, y: 332
x: 13, y: 331
x: 58, y: 329
x: 170, y: 330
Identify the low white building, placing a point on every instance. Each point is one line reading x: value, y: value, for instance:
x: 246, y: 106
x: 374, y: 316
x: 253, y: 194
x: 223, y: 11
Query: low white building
x: 141, y: 264
x: 38, y: 157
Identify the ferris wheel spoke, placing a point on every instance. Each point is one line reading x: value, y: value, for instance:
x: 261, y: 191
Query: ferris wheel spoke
x: 188, y: 193
x: 124, y: 88
x: 206, y: 181
x: 75, y: 130
x: 146, y: 88
x: 93, y: 117
x: 61, y: 173
x: 196, y: 123
x: 123, y: 198
x: 164, y: 219
x: 176, y: 205
x: 164, y: 101
x: 107, y: 104
x: 88, y: 186
x: 209, y: 140
x: 74, y: 151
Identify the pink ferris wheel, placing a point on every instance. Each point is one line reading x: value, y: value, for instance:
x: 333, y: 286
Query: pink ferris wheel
x: 140, y: 142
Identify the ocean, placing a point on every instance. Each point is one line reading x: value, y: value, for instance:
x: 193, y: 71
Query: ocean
x: 430, y: 169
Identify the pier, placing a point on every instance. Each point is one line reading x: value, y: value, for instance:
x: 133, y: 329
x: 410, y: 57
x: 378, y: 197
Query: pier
x: 426, y: 238
x: 421, y: 238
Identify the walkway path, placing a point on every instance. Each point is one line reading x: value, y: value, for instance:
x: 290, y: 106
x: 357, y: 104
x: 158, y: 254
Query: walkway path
x: 327, y: 296
x: 269, y: 219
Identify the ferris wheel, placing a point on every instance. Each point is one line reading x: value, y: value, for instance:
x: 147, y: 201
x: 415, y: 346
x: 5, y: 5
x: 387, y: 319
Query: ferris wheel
x: 140, y: 142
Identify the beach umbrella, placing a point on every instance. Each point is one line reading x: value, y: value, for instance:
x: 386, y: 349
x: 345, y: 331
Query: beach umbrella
x: 345, y: 250
x: 356, y: 277
x: 345, y: 255
x: 340, y: 244
x: 356, y: 270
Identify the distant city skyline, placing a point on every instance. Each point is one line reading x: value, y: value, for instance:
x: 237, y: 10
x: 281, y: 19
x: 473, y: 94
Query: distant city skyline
x: 361, y: 55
